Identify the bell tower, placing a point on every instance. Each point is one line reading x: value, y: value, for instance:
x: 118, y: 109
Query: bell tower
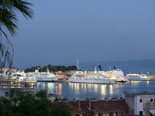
x: 77, y: 64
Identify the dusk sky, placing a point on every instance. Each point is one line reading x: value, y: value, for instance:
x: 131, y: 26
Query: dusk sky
x: 92, y: 30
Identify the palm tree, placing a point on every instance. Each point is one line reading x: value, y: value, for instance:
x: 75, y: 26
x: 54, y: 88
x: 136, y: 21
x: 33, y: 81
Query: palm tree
x: 8, y: 20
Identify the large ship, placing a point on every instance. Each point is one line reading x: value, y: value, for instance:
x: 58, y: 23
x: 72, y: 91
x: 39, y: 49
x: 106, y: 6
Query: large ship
x: 94, y: 77
x: 137, y: 77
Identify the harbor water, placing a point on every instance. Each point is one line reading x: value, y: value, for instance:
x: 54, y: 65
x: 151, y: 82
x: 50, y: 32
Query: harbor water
x: 100, y: 91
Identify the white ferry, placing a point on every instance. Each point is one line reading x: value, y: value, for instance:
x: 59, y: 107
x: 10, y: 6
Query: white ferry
x: 137, y: 77
x: 43, y: 76
x: 47, y: 77
x: 94, y: 77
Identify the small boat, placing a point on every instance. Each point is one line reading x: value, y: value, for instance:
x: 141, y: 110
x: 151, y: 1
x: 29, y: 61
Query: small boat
x: 17, y: 76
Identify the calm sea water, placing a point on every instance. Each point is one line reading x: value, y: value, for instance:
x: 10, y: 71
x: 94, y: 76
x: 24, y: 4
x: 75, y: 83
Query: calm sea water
x: 99, y: 91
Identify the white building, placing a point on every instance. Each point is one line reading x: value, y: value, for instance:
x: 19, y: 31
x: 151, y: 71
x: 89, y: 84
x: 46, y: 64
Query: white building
x: 4, y: 92
x: 141, y: 103
x: 6, y: 69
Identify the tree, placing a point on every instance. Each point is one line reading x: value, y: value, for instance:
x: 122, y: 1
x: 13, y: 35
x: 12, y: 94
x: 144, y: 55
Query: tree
x: 5, y: 107
x: 8, y: 20
x: 21, y: 103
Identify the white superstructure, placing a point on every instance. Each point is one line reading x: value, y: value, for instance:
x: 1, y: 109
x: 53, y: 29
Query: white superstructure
x: 17, y: 76
x: 91, y: 77
x: 22, y: 77
x: 118, y: 74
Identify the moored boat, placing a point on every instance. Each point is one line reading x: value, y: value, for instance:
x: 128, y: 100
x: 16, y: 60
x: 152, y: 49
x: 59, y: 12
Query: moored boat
x: 137, y: 77
x: 47, y: 77
x: 42, y: 76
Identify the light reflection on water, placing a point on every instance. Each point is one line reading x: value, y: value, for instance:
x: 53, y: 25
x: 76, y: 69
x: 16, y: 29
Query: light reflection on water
x: 100, y: 91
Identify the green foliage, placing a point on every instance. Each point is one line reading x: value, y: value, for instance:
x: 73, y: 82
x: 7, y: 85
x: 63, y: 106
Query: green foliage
x: 51, y: 68
x: 61, y: 109
x: 5, y: 107
x: 26, y: 104
x: 8, y: 13
x: 1, y: 71
x: 8, y: 23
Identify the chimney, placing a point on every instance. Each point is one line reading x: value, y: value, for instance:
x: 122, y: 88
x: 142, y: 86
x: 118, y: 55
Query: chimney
x: 89, y: 104
x: 93, y: 99
x: 113, y: 99
x: 79, y: 104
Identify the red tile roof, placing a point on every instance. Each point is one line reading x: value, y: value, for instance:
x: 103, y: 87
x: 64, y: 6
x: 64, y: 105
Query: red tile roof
x: 75, y: 107
x: 98, y: 106
x: 111, y: 106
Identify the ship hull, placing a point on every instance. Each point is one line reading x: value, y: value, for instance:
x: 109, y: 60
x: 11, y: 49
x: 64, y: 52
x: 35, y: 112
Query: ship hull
x: 106, y: 81
x: 46, y: 80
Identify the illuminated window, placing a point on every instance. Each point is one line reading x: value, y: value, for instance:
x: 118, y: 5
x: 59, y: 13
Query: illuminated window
x: 141, y: 113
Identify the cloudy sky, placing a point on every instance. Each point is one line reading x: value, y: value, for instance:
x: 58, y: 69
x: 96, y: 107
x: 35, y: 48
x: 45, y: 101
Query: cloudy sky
x: 92, y: 30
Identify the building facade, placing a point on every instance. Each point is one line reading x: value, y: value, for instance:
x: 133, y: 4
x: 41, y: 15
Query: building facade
x: 141, y: 103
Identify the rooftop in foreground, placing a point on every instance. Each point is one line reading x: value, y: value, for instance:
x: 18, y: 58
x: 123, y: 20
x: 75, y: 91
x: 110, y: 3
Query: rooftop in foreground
x: 140, y: 93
